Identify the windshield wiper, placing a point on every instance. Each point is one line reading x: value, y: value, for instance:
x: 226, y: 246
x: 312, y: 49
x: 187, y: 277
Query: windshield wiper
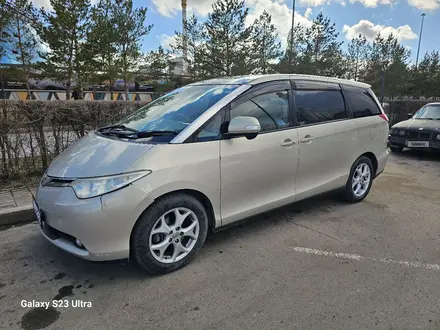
x: 144, y: 134
x: 130, y: 133
x: 123, y: 128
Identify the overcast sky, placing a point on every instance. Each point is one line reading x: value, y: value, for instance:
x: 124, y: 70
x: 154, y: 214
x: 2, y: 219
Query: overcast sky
x: 400, y: 17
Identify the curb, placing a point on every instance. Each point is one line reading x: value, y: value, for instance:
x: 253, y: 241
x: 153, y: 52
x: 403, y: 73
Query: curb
x: 13, y: 215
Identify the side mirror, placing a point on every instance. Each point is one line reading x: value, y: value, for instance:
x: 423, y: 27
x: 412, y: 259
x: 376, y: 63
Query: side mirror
x: 244, y: 126
x: 410, y: 115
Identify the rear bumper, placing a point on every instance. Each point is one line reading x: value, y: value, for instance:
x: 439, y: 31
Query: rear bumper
x: 382, y: 161
x: 402, y: 142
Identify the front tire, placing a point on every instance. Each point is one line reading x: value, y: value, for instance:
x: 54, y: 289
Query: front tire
x: 360, y: 180
x: 168, y: 235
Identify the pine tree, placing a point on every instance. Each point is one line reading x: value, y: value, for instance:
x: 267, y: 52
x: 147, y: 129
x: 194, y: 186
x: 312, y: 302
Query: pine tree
x: 194, y: 44
x: 227, y: 38
x: 322, y: 54
x: 158, y: 63
x: 265, y: 45
x: 387, y: 69
x: 425, y: 78
x: 4, y: 39
x: 358, y: 52
x: 292, y: 56
x: 64, y: 33
x: 5, y: 18
x: 130, y: 25
x: 23, y: 38
x: 101, y: 43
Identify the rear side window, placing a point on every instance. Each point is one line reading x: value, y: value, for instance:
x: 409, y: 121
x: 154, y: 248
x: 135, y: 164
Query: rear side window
x: 362, y: 103
x: 319, y: 106
x: 271, y: 110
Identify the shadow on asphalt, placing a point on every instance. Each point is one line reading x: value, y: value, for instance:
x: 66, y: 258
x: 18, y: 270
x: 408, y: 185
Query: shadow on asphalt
x: 418, y: 155
x: 286, y: 213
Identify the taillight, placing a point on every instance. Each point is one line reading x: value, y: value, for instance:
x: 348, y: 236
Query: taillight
x: 384, y: 117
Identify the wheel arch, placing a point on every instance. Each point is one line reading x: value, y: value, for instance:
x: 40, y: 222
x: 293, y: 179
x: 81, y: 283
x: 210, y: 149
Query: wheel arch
x: 373, y: 159
x: 201, y: 197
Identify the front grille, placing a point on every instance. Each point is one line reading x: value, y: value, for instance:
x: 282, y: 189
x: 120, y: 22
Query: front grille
x: 419, y: 135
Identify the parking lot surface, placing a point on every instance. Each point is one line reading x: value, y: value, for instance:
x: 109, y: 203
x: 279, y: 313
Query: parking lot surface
x: 317, y: 264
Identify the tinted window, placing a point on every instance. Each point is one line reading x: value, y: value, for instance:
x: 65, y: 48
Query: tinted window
x: 271, y: 110
x: 362, y: 103
x: 177, y: 109
x: 318, y: 106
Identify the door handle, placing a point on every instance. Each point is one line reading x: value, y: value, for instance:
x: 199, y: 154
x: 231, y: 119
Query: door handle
x: 307, y: 139
x: 287, y: 143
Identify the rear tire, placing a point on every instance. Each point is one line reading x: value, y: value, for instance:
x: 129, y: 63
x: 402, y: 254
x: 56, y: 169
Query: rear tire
x: 166, y: 225
x: 360, y: 180
x: 396, y: 148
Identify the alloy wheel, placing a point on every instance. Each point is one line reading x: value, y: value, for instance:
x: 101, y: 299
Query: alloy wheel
x: 174, y: 235
x: 361, y: 180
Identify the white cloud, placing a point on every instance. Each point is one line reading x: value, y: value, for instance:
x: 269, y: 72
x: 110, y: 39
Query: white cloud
x: 374, y: 3
x: 425, y: 4
x: 308, y: 12
x: 46, y: 4
x: 42, y: 3
x: 313, y: 3
x: 281, y: 16
x: 172, y: 7
x: 280, y: 11
x: 365, y: 3
x: 370, y: 31
x: 166, y: 41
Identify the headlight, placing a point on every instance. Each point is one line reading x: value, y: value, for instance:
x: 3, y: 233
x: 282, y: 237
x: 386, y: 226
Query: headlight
x: 87, y: 188
x: 438, y: 137
x: 44, y: 179
x: 402, y: 133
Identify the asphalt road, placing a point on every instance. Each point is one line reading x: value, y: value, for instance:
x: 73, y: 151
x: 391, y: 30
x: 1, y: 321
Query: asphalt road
x: 319, y: 264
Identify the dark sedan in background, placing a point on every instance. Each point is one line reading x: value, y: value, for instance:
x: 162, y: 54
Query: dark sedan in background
x: 421, y: 131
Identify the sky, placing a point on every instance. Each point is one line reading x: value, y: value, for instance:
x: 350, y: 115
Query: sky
x: 368, y: 17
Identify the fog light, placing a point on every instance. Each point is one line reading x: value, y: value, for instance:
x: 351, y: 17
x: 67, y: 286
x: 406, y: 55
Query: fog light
x: 78, y: 242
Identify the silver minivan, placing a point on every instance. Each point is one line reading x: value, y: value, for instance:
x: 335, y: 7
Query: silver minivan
x: 205, y: 156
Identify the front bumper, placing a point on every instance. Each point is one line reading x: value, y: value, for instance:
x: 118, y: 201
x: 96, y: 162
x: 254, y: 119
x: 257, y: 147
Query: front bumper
x: 102, y: 224
x: 400, y: 141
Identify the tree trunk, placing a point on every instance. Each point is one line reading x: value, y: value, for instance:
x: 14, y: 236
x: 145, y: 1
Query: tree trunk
x: 126, y: 85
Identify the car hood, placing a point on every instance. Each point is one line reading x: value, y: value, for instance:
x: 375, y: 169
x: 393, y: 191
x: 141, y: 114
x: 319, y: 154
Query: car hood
x: 94, y: 155
x: 419, y: 123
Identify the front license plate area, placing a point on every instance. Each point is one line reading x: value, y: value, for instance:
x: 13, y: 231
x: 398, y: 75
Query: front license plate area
x: 418, y: 144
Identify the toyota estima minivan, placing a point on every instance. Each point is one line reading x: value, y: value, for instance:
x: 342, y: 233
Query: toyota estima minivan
x: 205, y: 156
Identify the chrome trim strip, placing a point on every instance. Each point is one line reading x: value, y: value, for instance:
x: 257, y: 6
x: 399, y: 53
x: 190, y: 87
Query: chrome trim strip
x: 208, y: 114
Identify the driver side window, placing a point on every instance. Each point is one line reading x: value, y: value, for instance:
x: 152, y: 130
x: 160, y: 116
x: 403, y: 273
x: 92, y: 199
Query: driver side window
x: 271, y: 110
x: 211, y: 131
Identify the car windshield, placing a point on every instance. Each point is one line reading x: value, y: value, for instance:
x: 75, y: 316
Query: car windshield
x: 430, y: 111
x: 177, y: 109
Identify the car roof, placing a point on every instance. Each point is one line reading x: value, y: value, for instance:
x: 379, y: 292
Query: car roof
x: 258, y: 79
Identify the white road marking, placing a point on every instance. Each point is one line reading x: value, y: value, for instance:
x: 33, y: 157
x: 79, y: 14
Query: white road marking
x: 359, y: 258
